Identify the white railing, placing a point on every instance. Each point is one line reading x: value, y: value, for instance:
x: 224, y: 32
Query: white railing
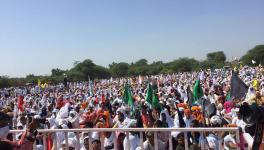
x: 126, y: 131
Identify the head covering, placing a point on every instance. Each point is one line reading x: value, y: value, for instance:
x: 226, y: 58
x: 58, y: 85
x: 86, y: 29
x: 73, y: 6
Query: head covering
x: 37, y: 117
x: 187, y: 112
x: 216, y: 120
x: 169, y: 120
x: 121, y: 110
x: 195, y: 108
x: 95, y: 136
x: 183, y: 105
x: 228, y: 105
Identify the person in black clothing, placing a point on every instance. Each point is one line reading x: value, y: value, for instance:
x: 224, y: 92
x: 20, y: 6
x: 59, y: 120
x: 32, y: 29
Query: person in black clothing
x: 65, y: 80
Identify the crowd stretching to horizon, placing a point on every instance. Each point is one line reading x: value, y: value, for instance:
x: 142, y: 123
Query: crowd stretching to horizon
x: 158, y: 101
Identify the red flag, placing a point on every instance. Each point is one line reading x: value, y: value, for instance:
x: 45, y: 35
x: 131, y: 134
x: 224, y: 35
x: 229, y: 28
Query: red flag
x: 20, y: 103
x: 96, y: 100
x: 103, y: 99
x: 49, y: 142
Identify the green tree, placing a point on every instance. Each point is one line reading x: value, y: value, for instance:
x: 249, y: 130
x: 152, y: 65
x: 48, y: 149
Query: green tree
x: 84, y: 69
x: 76, y: 76
x: 184, y: 65
x: 218, y: 57
x: 4, y: 82
x: 57, y: 72
x: 101, y: 72
x: 256, y: 54
x: 141, y: 62
x: 155, y: 68
x: 119, y: 69
x: 31, y: 78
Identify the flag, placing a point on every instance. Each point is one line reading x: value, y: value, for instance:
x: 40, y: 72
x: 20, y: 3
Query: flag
x: 103, y: 98
x: 20, y: 103
x: 241, y: 66
x: 91, y: 89
x: 43, y: 86
x: 197, y: 91
x: 155, y: 100
x: 96, y: 101
x: 255, y: 84
x: 128, y: 99
x: 181, y: 121
x: 228, y: 96
x: 238, y: 87
x: 39, y: 82
x: 254, y: 62
x: 126, y: 94
x: 49, y: 142
x: 149, y: 95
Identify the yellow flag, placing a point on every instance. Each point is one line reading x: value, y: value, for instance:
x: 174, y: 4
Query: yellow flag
x: 39, y: 83
x: 241, y: 66
x: 255, y: 84
x: 43, y: 86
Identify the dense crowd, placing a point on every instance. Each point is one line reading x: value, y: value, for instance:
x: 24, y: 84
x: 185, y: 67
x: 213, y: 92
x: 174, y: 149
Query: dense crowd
x: 189, y: 99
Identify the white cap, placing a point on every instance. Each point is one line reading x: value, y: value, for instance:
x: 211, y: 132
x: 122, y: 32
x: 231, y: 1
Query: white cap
x: 237, y: 110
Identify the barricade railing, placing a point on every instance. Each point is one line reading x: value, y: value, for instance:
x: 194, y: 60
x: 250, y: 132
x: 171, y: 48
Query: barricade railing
x: 128, y: 130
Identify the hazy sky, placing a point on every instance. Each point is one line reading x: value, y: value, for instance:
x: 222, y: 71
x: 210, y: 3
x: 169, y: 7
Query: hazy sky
x: 36, y: 36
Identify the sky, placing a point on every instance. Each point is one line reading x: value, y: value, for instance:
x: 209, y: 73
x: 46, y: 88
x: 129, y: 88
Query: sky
x: 37, y: 36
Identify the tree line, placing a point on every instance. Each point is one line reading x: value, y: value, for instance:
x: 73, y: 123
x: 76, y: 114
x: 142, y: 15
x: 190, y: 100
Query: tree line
x: 87, y: 69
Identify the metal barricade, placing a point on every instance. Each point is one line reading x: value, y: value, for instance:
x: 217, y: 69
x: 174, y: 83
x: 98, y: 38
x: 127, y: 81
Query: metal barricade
x: 156, y: 131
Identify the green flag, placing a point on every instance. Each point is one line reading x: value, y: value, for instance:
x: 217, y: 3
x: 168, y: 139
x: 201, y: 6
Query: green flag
x: 155, y: 100
x: 128, y: 99
x: 228, y: 96
x: 149, y: 94
x: 197, y: 91
x: 126, y: 94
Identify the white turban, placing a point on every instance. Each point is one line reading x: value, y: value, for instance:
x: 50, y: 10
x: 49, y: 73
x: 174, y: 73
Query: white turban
x: 216, y: 120
x: 122, y: 110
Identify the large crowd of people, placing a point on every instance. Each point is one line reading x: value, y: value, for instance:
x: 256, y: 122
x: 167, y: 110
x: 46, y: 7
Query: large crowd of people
x: 103, y: 104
